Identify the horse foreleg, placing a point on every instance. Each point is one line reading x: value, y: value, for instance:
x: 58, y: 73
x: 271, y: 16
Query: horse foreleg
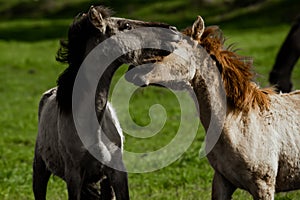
x: 222, y: 189
x: 74, y: 180
x: 119, y: 183
x: 106, y: 189
x: 118, y: 180
x: 40, y: 177
x: 263, y: 191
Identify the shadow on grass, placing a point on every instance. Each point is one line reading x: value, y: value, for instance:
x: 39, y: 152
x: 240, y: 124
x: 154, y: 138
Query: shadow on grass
x: 45, y: 19
x: 66, y: 9
x: 179, y: 13
x: 34, y: 33
x: 270, y: 14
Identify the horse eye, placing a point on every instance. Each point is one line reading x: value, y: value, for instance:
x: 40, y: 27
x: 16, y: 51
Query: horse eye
x: 127, y: 26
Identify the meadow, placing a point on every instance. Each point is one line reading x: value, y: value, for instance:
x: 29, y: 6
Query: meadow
x: 29, y: 38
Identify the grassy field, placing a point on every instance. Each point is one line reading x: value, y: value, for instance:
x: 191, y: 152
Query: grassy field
x: 29, y: 41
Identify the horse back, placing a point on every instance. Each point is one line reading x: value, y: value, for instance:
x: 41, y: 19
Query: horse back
x: 44, y: 99
x: 47, y: 145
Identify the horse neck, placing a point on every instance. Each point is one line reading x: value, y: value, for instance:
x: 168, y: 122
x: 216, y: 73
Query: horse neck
x: 103, y: 87
x: 208, y: 87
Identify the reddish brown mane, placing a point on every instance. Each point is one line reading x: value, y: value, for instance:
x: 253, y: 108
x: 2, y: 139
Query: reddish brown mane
x: 242, y: 93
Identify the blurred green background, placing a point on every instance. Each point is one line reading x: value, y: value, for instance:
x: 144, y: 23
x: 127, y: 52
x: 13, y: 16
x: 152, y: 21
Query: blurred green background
x: 30, y: 31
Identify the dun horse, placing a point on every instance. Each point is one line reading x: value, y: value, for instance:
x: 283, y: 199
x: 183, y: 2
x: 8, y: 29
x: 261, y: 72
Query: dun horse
x: 258, y: 148
x: 58, y: 149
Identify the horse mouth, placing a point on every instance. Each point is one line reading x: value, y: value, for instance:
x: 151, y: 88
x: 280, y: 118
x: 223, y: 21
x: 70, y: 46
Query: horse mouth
x: 136, y: 72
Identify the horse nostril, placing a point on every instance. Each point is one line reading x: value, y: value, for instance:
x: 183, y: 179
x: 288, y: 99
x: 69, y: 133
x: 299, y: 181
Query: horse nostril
x: 173, y: 28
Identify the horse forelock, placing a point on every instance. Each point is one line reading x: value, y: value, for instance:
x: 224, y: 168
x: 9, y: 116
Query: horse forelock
x: 71, y: 50
x: 236, y: 72
x: 104, y: 11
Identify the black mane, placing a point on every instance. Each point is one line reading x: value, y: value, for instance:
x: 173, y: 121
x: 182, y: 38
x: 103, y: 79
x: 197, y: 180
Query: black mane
x: 72, y: 52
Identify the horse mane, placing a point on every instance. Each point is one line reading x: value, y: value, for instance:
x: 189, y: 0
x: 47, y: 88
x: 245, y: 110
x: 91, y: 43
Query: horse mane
x: 72, y: 52
x: 242, y: 93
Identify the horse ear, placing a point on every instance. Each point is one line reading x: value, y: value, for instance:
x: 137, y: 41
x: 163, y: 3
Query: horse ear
x: 198, y: 28
x: 95, y: 17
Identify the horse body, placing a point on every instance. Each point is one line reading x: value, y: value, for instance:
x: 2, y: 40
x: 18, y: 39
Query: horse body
x: 59, y: 149
x: 258, y: 148
x: 64, y: 155
x: 255, y: 151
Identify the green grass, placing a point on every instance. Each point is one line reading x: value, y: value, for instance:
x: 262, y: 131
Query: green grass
x: 27, y: 68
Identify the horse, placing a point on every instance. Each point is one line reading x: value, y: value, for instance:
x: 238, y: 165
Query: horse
x: 286, y: 58
x: 59, y: 149
x: 252, y: 133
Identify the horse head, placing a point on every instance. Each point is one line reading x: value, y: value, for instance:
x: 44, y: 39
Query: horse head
x: 134, y: 40
x: 174, y: 70
x: 199, y: 57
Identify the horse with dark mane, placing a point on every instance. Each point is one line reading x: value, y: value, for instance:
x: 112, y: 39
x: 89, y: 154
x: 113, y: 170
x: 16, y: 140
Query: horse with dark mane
x: 59, y: 149
x: 252, y: 134
x: 287, y: 57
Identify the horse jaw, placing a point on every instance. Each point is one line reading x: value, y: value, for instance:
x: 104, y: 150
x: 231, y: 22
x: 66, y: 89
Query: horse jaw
x: 175, y: 70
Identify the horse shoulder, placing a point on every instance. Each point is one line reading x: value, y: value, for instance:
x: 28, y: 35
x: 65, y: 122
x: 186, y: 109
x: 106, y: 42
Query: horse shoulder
x: 251, y: 137
x: 244, y: 153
